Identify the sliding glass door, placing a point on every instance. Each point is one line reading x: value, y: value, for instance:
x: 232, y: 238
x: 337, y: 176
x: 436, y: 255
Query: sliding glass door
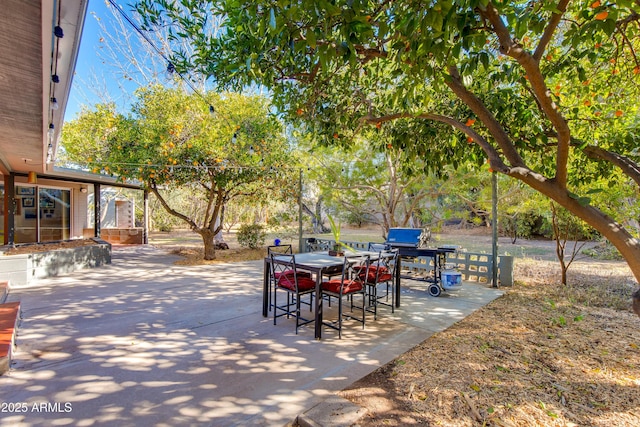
x: 42, y: 214
x: 55, y: 209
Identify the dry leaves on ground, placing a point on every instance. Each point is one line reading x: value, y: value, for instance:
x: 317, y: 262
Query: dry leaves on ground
x: 194, y: 255
x: 541, y: 355
x: 51, y: 246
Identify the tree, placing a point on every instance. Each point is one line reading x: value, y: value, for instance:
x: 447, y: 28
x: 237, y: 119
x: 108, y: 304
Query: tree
x: 170, y: 140
x: 539, y: 87
x: 373, y: 184
x: 566, y: 228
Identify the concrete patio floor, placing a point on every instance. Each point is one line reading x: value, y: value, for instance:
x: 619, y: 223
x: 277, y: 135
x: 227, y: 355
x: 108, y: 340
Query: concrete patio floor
x: 144, y: 342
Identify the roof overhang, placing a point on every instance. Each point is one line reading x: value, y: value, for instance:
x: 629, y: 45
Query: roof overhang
x: 30, y: 54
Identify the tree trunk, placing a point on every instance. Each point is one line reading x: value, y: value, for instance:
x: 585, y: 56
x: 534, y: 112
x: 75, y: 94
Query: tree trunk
x: 208, y: 238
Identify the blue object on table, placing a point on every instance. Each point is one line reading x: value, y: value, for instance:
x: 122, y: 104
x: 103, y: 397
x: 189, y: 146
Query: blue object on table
x: 276, y: 242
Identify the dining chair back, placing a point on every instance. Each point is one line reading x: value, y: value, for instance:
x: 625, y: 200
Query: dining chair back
x: 295, y: 283
x: 381, y: 271
x: 349, y: 285
x: 281, y: 249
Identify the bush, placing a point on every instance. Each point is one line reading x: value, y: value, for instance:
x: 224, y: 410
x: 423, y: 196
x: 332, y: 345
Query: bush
x: 251, y: 236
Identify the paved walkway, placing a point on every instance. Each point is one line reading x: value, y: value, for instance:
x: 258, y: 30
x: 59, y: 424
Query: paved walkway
x: 143, y: 342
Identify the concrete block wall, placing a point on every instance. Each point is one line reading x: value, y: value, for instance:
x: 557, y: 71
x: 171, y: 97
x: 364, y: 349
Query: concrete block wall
x: 121, y: 236
x: 25, y: 269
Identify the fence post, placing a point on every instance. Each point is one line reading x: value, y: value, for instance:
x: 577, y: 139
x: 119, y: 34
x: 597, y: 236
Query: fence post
x: 506, y: 270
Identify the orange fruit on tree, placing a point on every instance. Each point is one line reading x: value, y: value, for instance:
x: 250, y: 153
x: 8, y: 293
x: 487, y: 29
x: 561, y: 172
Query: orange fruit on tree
x: 469, y: 139
x: 636, y: 70
x: 595, y: 4
x: 378, y: 125
x: 598, y: 45
x: 299, y: 111
x: 601, y: 16
x: 470, y: 122
x: 619, y: 113
x: 587, y: 103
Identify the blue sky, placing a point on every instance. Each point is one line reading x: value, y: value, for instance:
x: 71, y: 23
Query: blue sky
x: 95, y: 81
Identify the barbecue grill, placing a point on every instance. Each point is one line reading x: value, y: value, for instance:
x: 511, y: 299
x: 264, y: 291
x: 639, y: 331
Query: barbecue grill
x: 411, y: 243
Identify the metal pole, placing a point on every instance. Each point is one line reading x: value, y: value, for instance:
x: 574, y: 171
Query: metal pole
x: 494, y: 226
x: 145, y: 218
x: 96, y: 210
x: 300, y: 243
x: 9, y: 209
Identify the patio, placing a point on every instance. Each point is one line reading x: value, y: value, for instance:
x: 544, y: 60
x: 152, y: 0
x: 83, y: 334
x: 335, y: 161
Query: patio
x: 145, y: 342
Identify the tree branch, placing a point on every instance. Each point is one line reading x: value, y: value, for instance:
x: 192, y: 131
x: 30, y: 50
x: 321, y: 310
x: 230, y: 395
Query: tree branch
x: 534, y: 75
x: 628, y: 166
x: 547, y: 36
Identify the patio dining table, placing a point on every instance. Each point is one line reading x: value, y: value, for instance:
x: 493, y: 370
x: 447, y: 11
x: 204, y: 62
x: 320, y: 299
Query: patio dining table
x: 319, y: 264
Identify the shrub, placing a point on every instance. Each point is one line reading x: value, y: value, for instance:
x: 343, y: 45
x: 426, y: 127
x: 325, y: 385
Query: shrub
x: 251, y: 236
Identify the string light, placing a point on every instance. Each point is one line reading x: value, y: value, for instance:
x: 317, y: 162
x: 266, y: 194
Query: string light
x: 54, y: 103
x: 58, y: 31
x: 171, y: 69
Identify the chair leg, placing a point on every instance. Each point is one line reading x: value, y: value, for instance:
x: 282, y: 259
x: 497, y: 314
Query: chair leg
x: 275, y: 304
x: 364, y: 297
x: 297, y: 314
x: 339, y: 318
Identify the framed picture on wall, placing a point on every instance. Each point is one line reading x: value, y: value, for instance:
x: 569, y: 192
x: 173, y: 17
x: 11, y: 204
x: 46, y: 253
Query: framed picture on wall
x: 26, y: 191
x: 30, y: 214
x: 28, y: 202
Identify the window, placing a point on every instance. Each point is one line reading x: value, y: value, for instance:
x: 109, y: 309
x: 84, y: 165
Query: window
x: 42, y: 214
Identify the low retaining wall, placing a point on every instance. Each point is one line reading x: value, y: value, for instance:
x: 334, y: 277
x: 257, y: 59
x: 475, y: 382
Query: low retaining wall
x: 122, y: 236
x: 26, y: 269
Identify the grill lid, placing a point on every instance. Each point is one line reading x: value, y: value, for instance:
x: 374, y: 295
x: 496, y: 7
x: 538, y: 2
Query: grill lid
x: 406, y: 237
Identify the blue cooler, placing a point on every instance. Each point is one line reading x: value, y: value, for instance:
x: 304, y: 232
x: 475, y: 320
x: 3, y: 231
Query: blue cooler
x: 451, y: 280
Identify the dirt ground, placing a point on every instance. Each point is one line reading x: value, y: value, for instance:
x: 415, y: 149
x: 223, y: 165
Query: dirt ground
x: 541, y: 355
x: 44, y: 247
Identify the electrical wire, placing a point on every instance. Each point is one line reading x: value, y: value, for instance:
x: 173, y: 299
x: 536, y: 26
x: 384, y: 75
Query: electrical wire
x: 169, y: 63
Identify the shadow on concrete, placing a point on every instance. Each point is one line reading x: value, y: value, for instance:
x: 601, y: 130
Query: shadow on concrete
x: 145, y: 342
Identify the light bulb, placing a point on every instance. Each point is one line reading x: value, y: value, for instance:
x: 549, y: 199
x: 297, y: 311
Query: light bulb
x: 170, y: 70
x: 58, y: 31
x: 54, y: 103
x: 52, y: 129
